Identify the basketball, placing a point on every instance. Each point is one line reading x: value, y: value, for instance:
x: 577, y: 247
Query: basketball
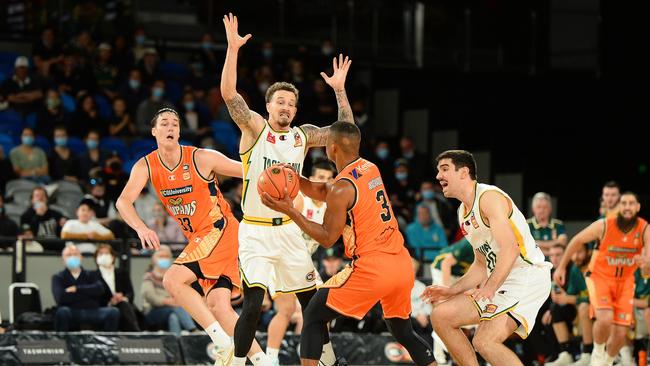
x: 275, y: 178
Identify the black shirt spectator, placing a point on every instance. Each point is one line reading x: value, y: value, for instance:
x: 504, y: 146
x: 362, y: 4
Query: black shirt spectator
x: 51, y: 114
x: 92, y: 161
x: 72, y: 77
x: 64, y: 164
x: 149, y: 67
x: 21, y: 90
x: 86, y: 117
x: 133, y: 91
x: 122, y: 124
x: 417, y: 163
x: 45, y: 223
x: 46, y: 52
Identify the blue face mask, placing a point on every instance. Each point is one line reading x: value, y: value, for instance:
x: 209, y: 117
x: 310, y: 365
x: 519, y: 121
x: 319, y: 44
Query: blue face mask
x: 189, y: 105
x: 382, y: 153
x: 27, y: 140
x: 401, y: 176
x: 73, y: 262
x: 157, y: 92
x: 267, y: 53
x: 134, y: 84
x: 164, y: 263
x: 61, y: 141
x: 408, y: 154
x: 428, y: 194
x: 206, y: 45
x: 92, y: 144
x: 140, y: 39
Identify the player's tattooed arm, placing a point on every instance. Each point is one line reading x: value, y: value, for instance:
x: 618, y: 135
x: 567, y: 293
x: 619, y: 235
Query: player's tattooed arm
x: 241, y: 114
x: 340, y: 67
x: 316, y: 136
x: 345, y: 111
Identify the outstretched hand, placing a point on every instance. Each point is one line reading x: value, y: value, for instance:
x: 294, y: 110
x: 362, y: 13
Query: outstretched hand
x: 340, y: 67
x: 232, y: 34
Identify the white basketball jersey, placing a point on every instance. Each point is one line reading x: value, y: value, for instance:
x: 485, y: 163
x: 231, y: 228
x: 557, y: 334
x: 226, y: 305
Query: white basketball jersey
x: 312, y: 213
x: 479, y: 235
x: 271, y: 147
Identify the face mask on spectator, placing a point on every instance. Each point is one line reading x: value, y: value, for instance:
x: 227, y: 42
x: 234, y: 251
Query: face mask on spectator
x: 427, y: 194
x: 139, y: 39
x: 92, y: 144
x: 382, y: 153
x: 408, y: 154
x: 52, y: 103
x: 104, y: 260
x: 134, y: 84
x: 327, y: 50
x: 401, y: 176
x: 73, y: 262
x: 189, y: 105
x: 267, y: 53
x: 157, y: 92
x: 206, y: 45
x: 61, y: 141
x: 37, y: 205
x: 27, y: 140
x: 163, y: 263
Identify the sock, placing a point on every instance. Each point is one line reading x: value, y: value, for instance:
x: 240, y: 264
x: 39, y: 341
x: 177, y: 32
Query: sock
x: 238, y: 361
x: 599, y: 349
x: 259, y: 359
x: 564, y: 346
x: 218, y: 336
x: 626, y: 355
x: 328, y: 358
x: 609, y: 361
x: 272, y: 353
x: 587, y: 348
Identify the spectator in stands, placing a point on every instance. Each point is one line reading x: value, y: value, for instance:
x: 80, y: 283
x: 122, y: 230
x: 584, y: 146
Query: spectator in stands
x: 64, y: 164
x: 29, y: 161
x: 46, y: 52
x: 7, y: 169
x: 547, y: 231
x: 195, y: 122
x: 149, y: 67
x: 361, y: 118
x: 150, y: 106
x: 26, y: 236
x: 332, y: 263
x: 383, y: 159
x: 84, y: 47
x: 442, y: 213
x: 417, y: 163
x: 51, y: 114
x: 159, y: 307
x: 420, y: 309
x: 22, y: 91
x: 72, y: 77
x: 139, y: 44
x: 197, y: 80
x: 325, y: 107
x: 104, y: 72
x: 403, y: 189
x: 45, y: 222
x: 122, y: 124
x: 86, y: 117
x: 133, y: 91
x: 210, y: 60
x: 165, y: 226
x: 122, y: 57
x: 92, y: 161
x: 78, y: 294
x: 114, y: 176
x: 118, y: 289
x: 425, y: 236
x: 8, y: 228
x: 84, y: 227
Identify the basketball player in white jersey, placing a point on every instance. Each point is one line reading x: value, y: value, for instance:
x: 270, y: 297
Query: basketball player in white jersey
x: 508, y: 281
x: 322, y: 172
x: 272, y: 252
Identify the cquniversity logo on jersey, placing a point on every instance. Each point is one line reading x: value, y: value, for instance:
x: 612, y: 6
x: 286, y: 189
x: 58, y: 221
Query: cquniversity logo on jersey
x: 176, y: 207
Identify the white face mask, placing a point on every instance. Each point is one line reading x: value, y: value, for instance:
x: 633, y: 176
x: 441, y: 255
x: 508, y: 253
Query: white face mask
x: 104, y: 260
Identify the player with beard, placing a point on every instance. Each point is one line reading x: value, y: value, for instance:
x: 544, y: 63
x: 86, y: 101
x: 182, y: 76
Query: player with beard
x: 610, y: 276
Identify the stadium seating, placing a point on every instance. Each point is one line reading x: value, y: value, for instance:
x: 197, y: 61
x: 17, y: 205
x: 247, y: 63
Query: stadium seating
x: 20, y: 191
x: 43, y: 143
x: 23, y: 297
x: 77, y: 145
x: 68, y: 195
x: 104, y: 107
x: 11, y: 123
x: 225, y: 133
x: 7, y: 143
x: 115, y: 144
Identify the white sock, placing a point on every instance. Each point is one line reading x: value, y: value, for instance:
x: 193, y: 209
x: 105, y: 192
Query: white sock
x: 599, y: 349
x: 238, y: 361
x: 626, y: 355
x: 260, y: 359
x: 272, y: 352
x: 609, y: 361
x: 328, y: 357
x: 218, y: 335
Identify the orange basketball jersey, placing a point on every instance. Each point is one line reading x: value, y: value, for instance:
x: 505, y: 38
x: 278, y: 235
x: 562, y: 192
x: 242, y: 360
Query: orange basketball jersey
x: 194, y: 201
x: 614, y: 257
x: 371, y: 224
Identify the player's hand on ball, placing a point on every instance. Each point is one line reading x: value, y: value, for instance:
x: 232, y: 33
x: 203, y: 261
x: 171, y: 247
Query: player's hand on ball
x: 232, y: 34
x: 340, y: 69
x: 482, y: 293
x: 436, y: 293
x: 283, y: 205
x: 148, y: 238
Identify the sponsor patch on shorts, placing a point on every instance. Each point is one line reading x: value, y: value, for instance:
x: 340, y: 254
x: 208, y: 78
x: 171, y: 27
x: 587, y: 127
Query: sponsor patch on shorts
x: 311, y: 276
x: 490, y: 308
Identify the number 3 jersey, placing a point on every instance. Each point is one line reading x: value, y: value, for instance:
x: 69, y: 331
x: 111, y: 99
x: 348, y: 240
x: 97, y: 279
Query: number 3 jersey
x: 477, y: 231
x: 194, y: 201
x: 371, y: 225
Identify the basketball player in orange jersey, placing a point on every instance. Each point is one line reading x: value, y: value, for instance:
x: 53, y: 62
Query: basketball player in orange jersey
x: 624, y: 245
x: 358, y: 208
x: 272, y: 252
x: 184, y: 178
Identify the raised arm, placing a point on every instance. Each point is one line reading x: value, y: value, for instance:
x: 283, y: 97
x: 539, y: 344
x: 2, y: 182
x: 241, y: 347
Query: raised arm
x: 340, y: 69
x: 249, y: 122
x: 209, y: 161
x: 137, y: 181
x: 591, y: 233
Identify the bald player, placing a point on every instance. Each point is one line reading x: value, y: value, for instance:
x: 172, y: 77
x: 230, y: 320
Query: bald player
x: 381, y: 270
